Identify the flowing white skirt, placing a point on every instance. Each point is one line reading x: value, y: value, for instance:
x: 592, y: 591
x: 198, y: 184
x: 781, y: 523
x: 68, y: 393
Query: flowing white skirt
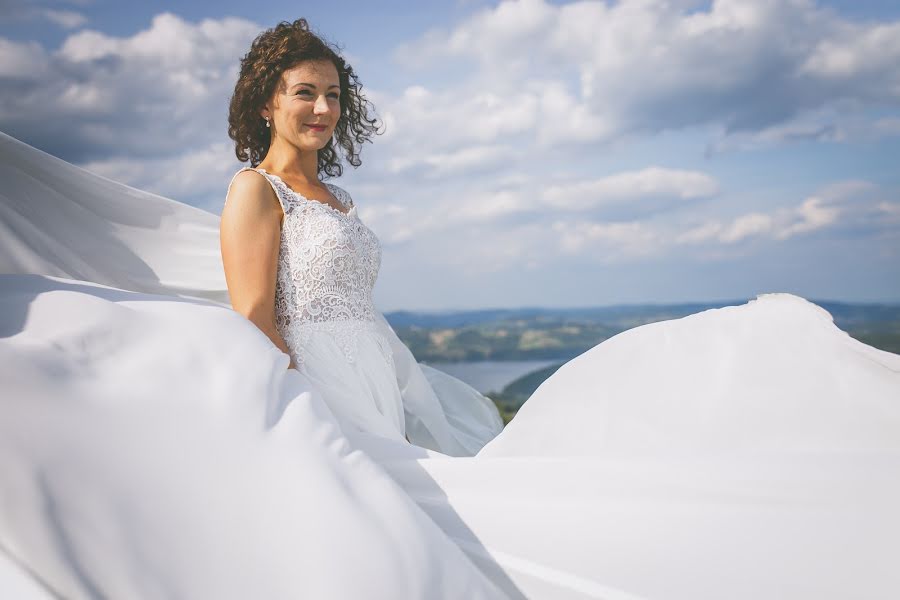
x: 382, y: 390
x: 154, y: 445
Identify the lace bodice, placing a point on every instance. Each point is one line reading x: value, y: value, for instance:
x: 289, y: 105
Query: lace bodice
x: 327, y: 267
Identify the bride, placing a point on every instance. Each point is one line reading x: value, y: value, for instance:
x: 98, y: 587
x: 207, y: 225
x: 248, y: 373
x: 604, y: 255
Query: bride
x: 299, y: 262
x: 195, y: 407
x: 253, y: 220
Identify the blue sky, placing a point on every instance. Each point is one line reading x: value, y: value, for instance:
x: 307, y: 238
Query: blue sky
x: 538, y: 153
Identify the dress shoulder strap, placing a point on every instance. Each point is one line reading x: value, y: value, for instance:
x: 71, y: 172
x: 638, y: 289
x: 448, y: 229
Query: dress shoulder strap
x: 282, y: 194
x: 341, y: 194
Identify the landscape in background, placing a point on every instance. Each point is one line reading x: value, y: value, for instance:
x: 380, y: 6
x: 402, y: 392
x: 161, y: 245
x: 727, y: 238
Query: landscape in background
x: 554, y: 336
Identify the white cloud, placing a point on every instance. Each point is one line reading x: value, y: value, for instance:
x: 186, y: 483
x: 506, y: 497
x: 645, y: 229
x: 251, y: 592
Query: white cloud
x: 564, y: 118
x: 855, y: 206
x: 488, y: 206
x: 527, y: 199
x: 631, y: 186
x: 649, y: 65
x: 811, y: 215
x: 198, y: 176
x: 857, y: 52
x: 67, y: 19
x: 479, y: 234
x: 746, y: 226
x: 22, y: 60
x: 467, y: 159
x: 89, y: 45
x: 455, y: 117
x: 157, y: 93
x: 846, y: 208
x: 507, y: 28
x: 526, y: 81
x: 607, y: 242
x: 890, y: 209
x: 823, y: 125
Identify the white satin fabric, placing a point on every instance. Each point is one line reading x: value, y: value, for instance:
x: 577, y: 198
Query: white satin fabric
x: 154, y: 445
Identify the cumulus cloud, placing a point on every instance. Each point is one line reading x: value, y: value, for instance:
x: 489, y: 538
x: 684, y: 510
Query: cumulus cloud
x: 470, y: 159
x: 538, y: 78
x: 500, y: 153
x: 194, y: 175
x: 18, y: 62
x: 824, y: 125
x: 67, y: 19
x: 12, y: 11
x: 549, y: 78
x: 524, y: 200
x: 844, y: 209
x: 642, y: 186
x: 485, y: 233
x: 607, y: 242
x: 154, y: 94
x: 650, y: 65
x: 448, y: 119
x: 850, y: 207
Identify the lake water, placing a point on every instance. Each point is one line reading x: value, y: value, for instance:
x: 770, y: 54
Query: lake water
x: 487, y: 375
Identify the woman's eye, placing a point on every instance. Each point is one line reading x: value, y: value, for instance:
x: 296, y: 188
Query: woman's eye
x: 307, y: 93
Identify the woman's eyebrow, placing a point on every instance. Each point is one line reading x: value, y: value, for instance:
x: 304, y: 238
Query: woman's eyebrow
x: 333, y: 85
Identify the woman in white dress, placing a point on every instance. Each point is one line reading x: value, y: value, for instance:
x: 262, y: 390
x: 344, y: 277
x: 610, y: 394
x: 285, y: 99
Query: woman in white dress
x: 154, y: 443
x: 299, y: 262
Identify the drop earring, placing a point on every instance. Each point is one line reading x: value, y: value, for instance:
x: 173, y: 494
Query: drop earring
x: 267, y: 121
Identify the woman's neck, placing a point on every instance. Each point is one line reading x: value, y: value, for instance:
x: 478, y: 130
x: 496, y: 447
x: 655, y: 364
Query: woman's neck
x: 297, y: 165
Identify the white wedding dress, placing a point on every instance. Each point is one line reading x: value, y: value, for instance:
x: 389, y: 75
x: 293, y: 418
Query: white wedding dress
x: 327, y: 267
x: 153, y: 443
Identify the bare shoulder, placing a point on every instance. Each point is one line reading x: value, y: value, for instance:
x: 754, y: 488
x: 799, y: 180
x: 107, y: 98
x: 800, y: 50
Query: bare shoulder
x: 250, y: 192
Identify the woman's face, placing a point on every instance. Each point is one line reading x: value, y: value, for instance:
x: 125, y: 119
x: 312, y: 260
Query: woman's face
x: 309, y: 94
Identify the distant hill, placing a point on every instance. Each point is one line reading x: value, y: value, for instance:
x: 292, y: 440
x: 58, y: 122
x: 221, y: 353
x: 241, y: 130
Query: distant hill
x: 625, y: 314
x: 511, y: 398
x: 563, y: 333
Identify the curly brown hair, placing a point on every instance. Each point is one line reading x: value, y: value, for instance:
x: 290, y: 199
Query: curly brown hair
x: 271, y: 53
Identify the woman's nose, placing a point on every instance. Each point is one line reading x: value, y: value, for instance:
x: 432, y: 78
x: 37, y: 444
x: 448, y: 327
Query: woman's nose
x: 321, y: 105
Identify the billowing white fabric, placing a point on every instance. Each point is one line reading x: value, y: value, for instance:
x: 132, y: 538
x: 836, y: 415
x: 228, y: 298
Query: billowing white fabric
x: 191, y: 463
x: 154, y: 445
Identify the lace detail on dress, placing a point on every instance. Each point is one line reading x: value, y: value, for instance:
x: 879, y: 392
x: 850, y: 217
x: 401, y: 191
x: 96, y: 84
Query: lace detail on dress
x: 327, y: 267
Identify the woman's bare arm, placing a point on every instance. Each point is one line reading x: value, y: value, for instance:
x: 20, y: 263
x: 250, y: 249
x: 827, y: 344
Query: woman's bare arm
x: 250, y: 234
